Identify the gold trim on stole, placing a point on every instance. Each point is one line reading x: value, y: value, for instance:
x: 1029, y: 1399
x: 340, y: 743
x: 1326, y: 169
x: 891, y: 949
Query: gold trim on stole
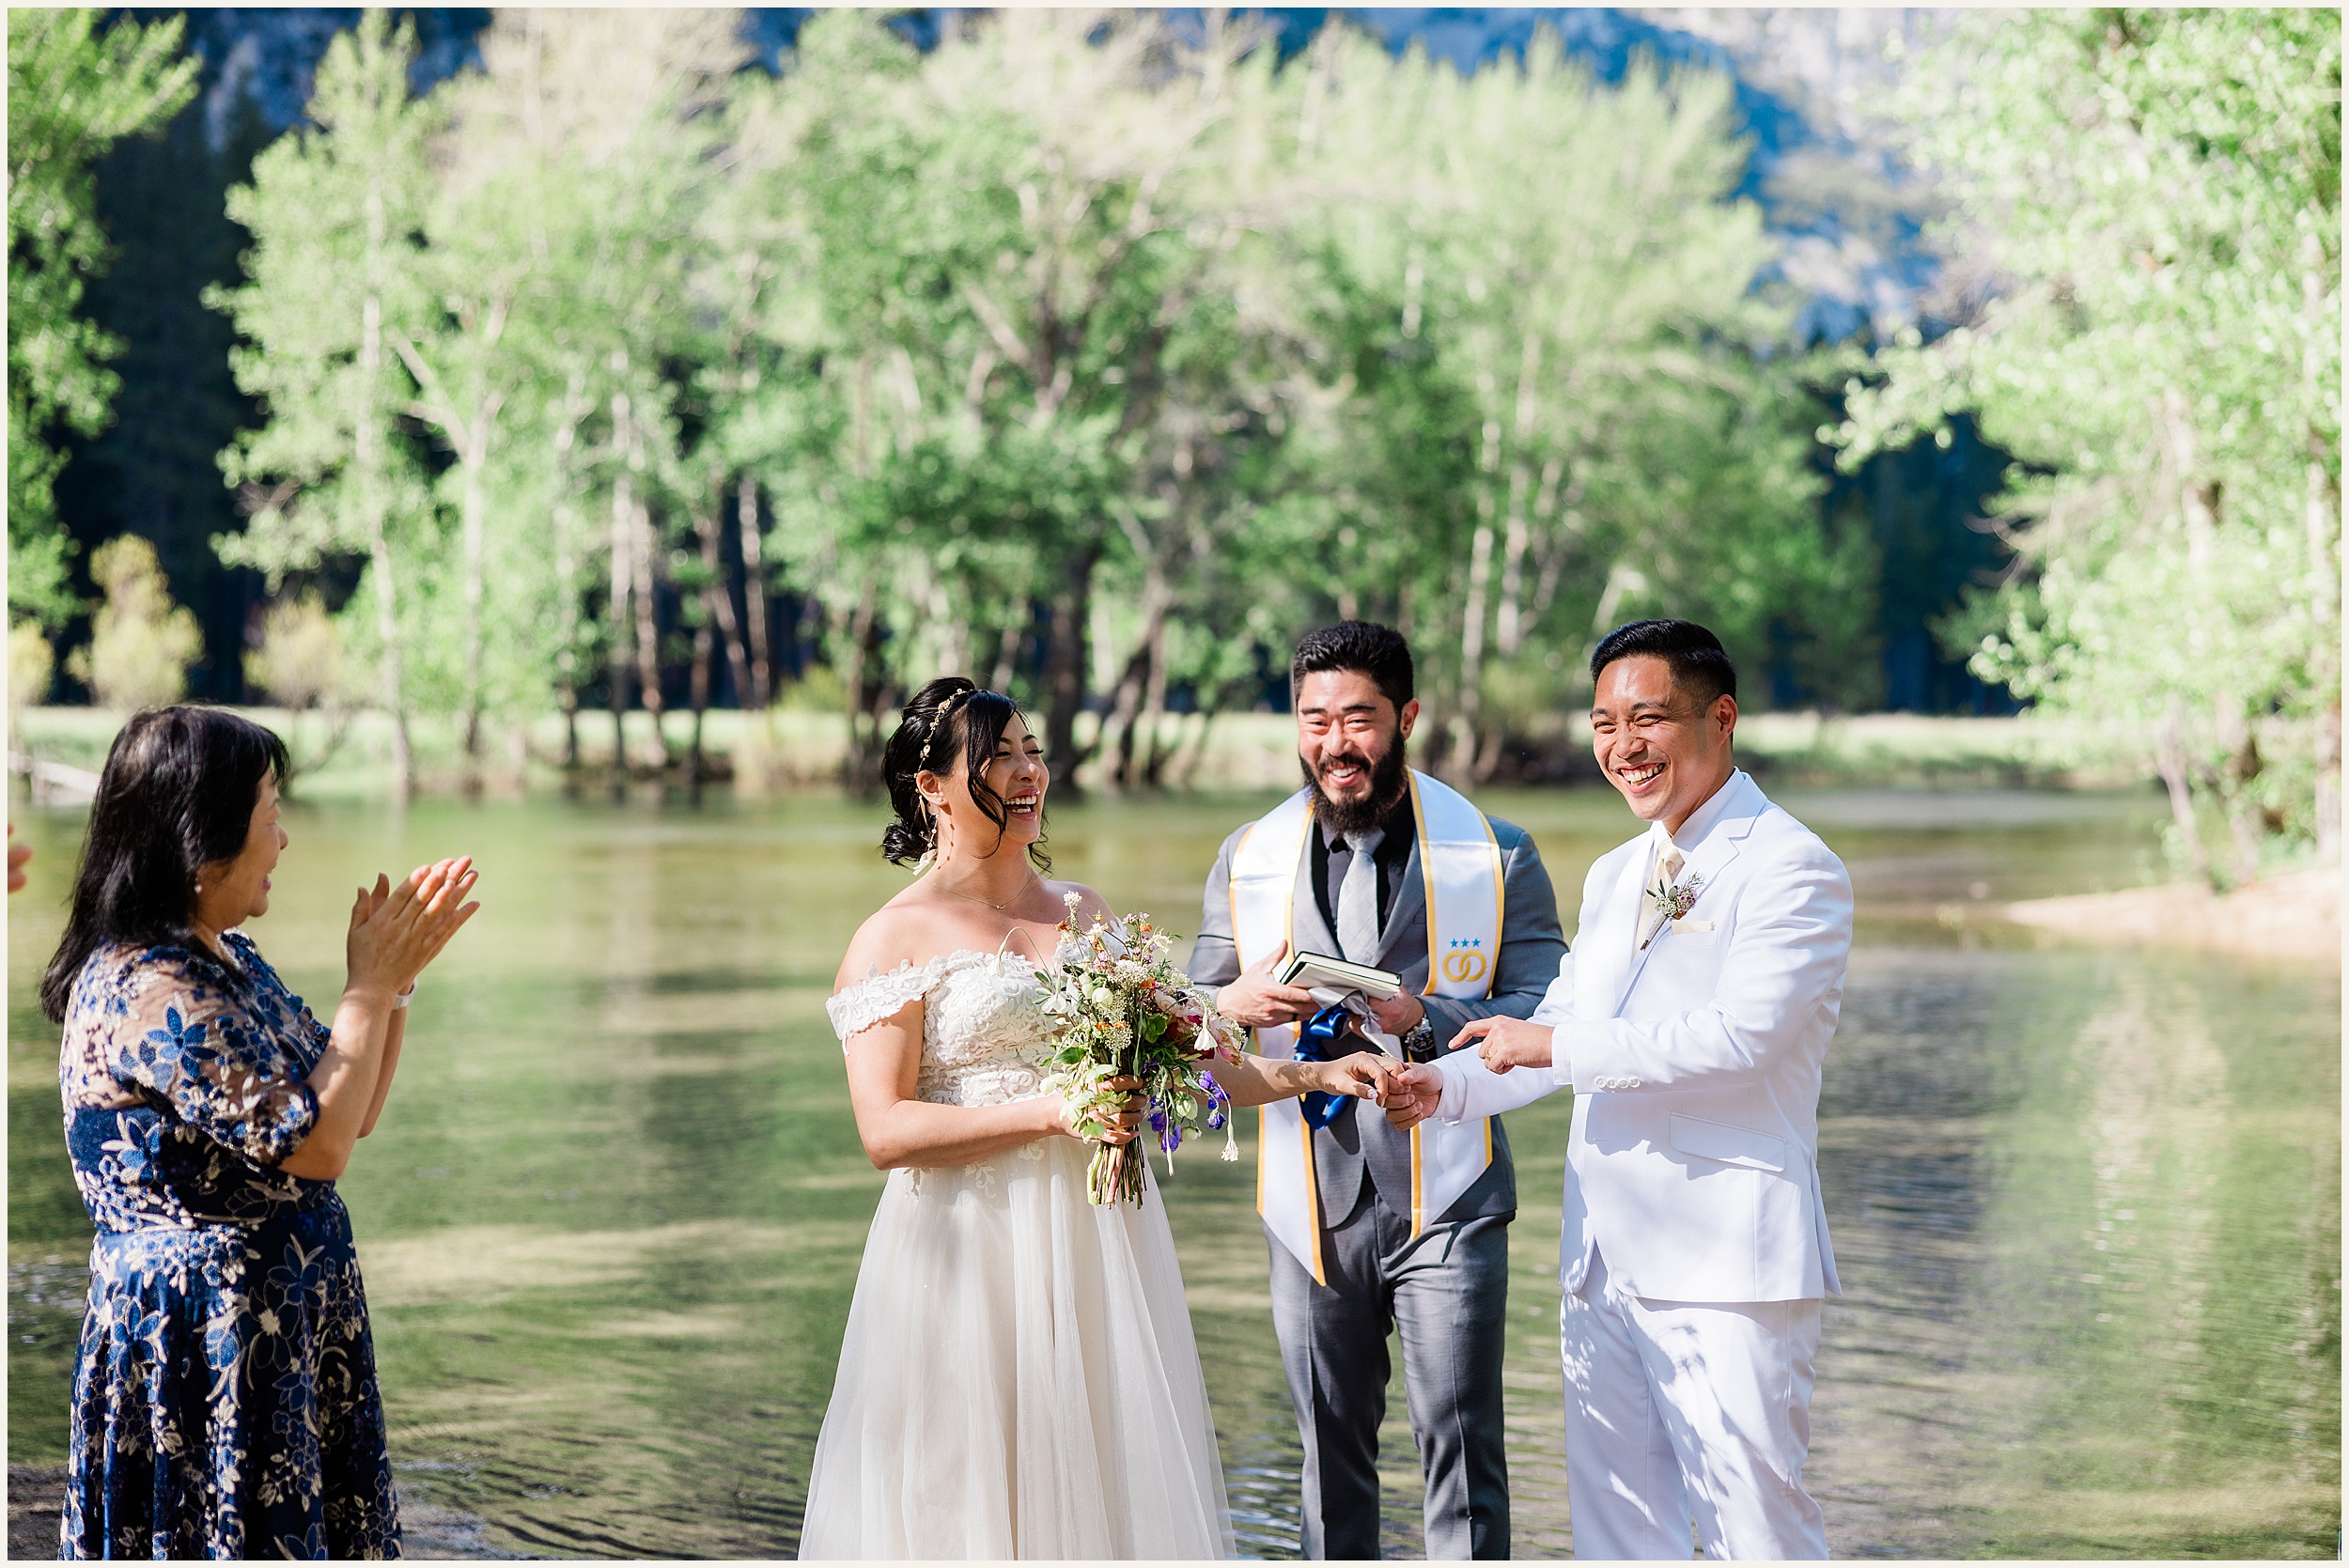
x: 1264, y: 1120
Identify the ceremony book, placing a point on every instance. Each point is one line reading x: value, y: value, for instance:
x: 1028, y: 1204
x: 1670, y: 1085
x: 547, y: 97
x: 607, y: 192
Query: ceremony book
x: 1318, y: 971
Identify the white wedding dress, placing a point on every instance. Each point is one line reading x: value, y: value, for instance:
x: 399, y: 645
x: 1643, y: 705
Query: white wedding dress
x: 1018, y: 1378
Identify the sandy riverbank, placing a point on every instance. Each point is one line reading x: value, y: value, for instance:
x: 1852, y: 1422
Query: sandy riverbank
x: 2293, y: 916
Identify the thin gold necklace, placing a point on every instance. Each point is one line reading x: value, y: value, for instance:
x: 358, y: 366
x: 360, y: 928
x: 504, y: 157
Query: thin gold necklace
x: 999, y: 908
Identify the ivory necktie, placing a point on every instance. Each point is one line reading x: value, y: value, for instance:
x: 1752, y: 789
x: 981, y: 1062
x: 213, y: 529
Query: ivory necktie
x: 1652, y: 913
x: 1358, y: 900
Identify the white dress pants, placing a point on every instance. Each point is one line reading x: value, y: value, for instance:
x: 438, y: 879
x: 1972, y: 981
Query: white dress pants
x: 1688, y: 1422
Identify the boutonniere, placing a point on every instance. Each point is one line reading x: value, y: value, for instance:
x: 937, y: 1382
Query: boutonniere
x: 1672, y: 901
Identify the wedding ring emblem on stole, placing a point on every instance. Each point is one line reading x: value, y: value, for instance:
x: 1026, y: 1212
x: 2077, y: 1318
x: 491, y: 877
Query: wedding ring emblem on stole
x: 1464, y: 964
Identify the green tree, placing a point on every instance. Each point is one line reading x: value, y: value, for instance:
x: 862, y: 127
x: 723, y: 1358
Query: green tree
x: 1573, y: 405
x: 336, y: 211
x: 1006, y: 240
x: 594, y: 142
x: 141, y: 643
x: 2144, y: 236
x: 74, y: 92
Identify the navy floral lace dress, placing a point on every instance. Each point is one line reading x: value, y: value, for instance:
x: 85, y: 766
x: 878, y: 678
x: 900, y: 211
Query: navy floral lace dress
x: 225, y: 1400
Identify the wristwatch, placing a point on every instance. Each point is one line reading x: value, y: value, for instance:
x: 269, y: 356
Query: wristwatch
x: 1418, y: 1041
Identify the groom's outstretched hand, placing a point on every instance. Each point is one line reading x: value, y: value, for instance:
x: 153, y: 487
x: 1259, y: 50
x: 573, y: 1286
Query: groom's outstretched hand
x: 1506, y: 1043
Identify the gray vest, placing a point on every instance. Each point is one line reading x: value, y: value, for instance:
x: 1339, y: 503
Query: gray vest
x: 1362, y: 1152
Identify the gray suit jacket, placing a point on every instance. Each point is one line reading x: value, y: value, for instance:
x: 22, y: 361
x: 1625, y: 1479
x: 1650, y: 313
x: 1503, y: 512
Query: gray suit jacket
x: 1362, y: 1151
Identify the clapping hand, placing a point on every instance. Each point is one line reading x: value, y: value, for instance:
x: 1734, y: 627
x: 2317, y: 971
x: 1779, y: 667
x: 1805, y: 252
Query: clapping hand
x: 396, y: 931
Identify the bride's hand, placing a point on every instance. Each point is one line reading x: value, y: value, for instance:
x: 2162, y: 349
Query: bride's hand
x: 1122, y: 1129
x: 1362, y: 1076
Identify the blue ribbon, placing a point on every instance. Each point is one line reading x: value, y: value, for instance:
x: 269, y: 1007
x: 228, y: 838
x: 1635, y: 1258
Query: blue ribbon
x: 1323, y: 1039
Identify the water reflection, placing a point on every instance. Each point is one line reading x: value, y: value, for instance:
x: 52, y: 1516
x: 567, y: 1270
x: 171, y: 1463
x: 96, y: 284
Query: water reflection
x: 2087, y: 1203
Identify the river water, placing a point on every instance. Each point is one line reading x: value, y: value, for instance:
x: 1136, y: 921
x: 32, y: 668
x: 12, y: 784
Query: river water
x: 2087, y: 1203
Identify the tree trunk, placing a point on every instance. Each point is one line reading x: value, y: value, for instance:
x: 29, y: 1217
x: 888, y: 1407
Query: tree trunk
x: 859, y: 768
x: 1006, y: 660
x: 567, y: 580
x: 2169, y: 758
x: 761, y: 692
x: 1488, y: 754
x: 695, y: 759
x: 1125, y: 713
x: 2322, y: 522
x: 567, y: 651
x: 1065, y: 665
x: 648, y: 636
x: 2244, y: 821
x: 623, y: 583
x: 1189, y: 771
x: 367, y: 459
x: 1507, y: 631
x: 395, y: 697
x: 1142, y: 687
x: 718, y: 606
x: 1464, y: 721
x: 475, y: 501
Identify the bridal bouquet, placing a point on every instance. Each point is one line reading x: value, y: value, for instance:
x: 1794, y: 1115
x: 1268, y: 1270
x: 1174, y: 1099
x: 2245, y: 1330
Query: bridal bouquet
x: 1124, y: 1011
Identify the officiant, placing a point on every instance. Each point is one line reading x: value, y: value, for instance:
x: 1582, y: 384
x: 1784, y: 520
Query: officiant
x: 1372, y: 1229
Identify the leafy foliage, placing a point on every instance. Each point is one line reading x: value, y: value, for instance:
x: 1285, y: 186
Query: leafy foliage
x: 74, y: 92
x: 1094, y: 354
x: 2146, y: 231
x: 141, y: 642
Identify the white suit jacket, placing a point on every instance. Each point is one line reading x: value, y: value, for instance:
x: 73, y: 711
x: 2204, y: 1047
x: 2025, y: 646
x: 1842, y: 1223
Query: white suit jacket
x: 1692, y: 1162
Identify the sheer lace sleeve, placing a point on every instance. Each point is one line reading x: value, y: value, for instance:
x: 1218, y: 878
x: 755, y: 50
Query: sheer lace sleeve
x: 860, y: 1006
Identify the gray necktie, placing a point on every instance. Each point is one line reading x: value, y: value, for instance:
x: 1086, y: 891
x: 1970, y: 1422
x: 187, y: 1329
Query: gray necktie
x: 1358, y: 900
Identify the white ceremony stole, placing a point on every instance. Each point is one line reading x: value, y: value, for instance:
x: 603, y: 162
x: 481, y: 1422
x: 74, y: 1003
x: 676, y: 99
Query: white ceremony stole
x: 1461, y: 867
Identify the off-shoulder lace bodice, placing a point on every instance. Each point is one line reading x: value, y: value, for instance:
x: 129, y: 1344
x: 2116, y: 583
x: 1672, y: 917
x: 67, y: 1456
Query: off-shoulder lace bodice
x: 983, y: 1035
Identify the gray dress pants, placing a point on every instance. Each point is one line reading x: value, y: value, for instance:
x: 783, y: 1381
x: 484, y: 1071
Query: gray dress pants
x: 1448, y: 1294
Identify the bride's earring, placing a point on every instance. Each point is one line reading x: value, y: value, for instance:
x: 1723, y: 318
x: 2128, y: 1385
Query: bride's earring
x: 930, y: 856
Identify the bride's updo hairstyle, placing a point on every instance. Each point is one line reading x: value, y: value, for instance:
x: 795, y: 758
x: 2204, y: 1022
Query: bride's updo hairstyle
x: 951, y: 714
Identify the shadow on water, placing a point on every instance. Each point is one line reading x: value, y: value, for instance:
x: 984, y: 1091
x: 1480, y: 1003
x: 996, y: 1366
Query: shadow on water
x: 2087, y: 1203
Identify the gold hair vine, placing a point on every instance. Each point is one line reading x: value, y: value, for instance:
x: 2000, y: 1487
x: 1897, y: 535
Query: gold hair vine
x: 938, y: 719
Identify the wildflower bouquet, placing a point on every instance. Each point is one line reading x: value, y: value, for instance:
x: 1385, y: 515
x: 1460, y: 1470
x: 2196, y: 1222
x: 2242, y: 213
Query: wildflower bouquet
x: 1124, y: 1011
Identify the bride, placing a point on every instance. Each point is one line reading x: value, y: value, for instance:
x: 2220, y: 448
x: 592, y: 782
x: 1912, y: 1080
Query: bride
x: 1018, y: 1378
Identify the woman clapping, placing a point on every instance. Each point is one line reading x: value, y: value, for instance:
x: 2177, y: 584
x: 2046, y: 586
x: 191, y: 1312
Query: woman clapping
x: 224, y: 1399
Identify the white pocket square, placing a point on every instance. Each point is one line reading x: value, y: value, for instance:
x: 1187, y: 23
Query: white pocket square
x: 1692, y: 926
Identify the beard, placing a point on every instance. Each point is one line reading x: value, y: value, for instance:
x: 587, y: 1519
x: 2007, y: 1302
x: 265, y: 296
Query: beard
x: 1386, y: 790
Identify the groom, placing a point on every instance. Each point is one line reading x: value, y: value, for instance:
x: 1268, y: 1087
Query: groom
x: 1372, y: 1228
x: 1691, y: 1023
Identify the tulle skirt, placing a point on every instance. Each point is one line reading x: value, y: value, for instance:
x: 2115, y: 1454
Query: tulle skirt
x: 1018, y: 1378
